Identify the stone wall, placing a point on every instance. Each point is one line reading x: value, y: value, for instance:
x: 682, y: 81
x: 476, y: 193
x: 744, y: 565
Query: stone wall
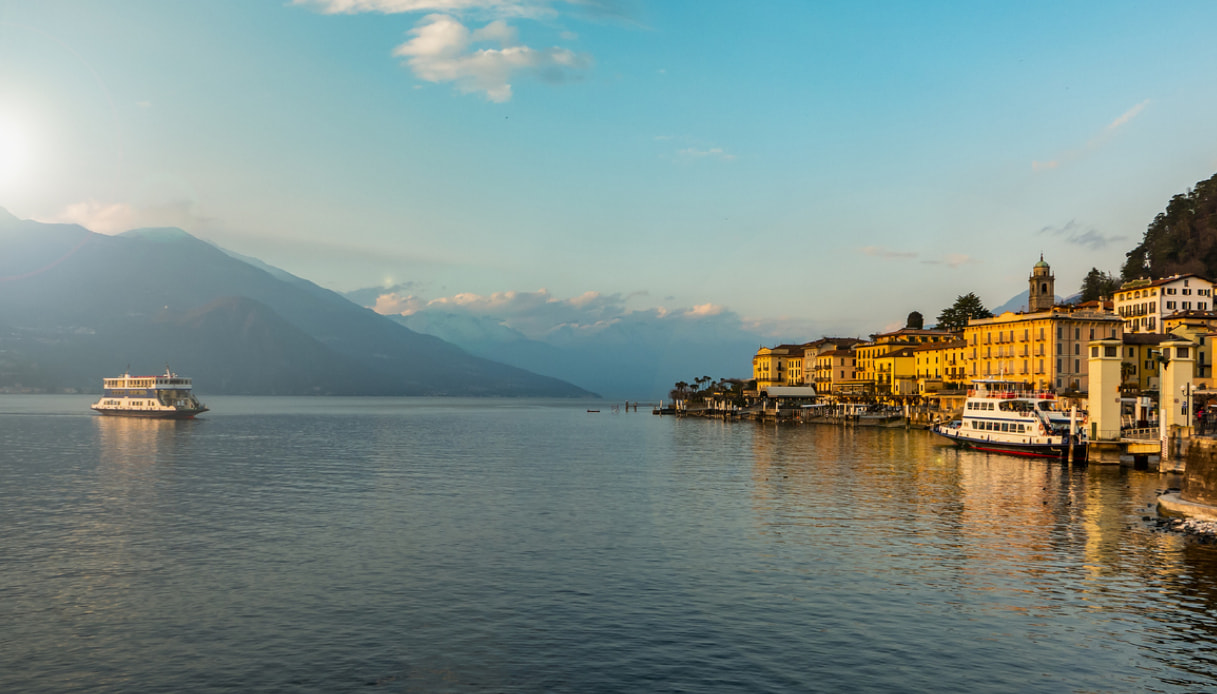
x: 1200, y: 475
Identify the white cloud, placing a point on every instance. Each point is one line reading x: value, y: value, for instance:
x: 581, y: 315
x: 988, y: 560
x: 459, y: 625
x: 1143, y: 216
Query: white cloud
x: 881, y: 252
x: 539, y: 314
x: 954, y: 260
x: 393, y: 304
x: 117, y: 217
x: 1094, y: 143
x: 443, y: 50
x: 705, y: 310
x: 1127, y: 116
x: 712, y: 152
x: 518, y: 8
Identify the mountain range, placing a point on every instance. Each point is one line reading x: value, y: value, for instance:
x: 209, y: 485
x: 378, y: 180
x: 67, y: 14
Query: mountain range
x: 76, y: 306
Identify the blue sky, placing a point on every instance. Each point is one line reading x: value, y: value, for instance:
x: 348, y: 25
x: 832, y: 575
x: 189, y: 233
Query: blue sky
x: 805, y: 167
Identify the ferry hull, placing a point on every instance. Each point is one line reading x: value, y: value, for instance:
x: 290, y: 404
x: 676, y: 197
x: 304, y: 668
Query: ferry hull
x: 1032, y: 450
x: 150, y: 414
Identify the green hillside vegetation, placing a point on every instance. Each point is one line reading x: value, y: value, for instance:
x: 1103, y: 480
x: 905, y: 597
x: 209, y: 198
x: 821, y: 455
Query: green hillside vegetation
x: 1183, y: 239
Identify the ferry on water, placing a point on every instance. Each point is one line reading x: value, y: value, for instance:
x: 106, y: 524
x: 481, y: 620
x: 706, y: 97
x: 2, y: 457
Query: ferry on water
x: 1003, y: 417
x: 164, y: 397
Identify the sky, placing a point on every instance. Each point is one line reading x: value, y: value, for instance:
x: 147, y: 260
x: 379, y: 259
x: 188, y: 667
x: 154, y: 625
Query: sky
x: 804, y: 167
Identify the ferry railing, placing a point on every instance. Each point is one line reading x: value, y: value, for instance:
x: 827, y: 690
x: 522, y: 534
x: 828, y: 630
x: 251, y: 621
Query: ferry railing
x: 1011, y: 394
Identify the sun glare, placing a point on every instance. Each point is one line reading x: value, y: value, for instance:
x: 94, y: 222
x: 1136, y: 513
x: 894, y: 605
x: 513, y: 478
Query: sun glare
x: 14, y: 152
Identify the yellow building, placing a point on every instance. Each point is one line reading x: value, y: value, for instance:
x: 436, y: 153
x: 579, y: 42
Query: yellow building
x: 1139, y: 364
x: 882, y: 344
x: 1046, y: 349
x: 778, y: 366
x: 896, y: 372
x: 833, y: 369
x: 1197, y: 326
x: 793, y: 365
x: 940, y: 365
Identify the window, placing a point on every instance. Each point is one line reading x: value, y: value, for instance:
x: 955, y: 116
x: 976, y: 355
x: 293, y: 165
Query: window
x: 1059, y: 333
x: 1076, y: 366
x: 1092, y: 333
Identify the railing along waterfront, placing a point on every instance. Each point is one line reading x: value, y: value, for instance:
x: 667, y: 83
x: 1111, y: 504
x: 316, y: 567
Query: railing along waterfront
x: 1147, y: 434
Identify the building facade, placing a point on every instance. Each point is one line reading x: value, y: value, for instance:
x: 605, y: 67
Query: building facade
x: 881, y: 373
x: 1143, y: 304
x: 1045, y: 349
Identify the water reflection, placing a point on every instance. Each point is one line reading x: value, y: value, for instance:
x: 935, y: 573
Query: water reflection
x: 1063, y: 546
x: 132, y: 440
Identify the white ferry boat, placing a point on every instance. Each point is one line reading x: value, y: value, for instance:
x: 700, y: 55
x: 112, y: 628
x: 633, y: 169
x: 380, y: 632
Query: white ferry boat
x: 1002, y: 417
x: 166, y: 397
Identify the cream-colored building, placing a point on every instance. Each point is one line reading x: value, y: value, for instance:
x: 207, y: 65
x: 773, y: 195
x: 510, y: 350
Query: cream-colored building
x: 834, y: 369
x: 1144, y: 304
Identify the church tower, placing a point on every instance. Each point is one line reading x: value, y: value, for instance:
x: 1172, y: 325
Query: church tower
x: 1043, y: 293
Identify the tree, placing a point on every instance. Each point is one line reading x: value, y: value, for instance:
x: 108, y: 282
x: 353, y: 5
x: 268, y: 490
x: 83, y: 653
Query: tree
x: 965, y: 308
x: 1097, y: 284
x: 915, y: 321
x: 1180, y: 239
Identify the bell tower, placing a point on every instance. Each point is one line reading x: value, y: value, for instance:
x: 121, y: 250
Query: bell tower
x: 1043, y: 293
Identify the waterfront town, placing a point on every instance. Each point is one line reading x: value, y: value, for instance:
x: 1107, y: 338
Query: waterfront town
x: 1134, y: 370
x: 925, y: 374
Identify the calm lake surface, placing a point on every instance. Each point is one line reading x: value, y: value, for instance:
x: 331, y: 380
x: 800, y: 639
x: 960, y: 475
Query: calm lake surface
x: 428, y: 545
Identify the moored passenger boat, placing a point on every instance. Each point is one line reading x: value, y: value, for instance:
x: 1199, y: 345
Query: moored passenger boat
x: 1004, y: 417
x: 165, y: 397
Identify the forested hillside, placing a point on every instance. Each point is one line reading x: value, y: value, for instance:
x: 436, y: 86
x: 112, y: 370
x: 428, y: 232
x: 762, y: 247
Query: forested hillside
x: 1182, y: 239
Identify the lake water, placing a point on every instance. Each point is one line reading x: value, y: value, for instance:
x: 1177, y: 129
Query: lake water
x: 426, y: 545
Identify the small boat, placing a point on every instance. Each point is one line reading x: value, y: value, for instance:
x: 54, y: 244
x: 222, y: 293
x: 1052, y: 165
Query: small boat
x: 159, y: 397
x: 1005, y: 417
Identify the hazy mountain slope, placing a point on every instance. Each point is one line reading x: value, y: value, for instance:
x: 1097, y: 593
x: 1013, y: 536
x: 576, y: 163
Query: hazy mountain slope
x: 83, y: 291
